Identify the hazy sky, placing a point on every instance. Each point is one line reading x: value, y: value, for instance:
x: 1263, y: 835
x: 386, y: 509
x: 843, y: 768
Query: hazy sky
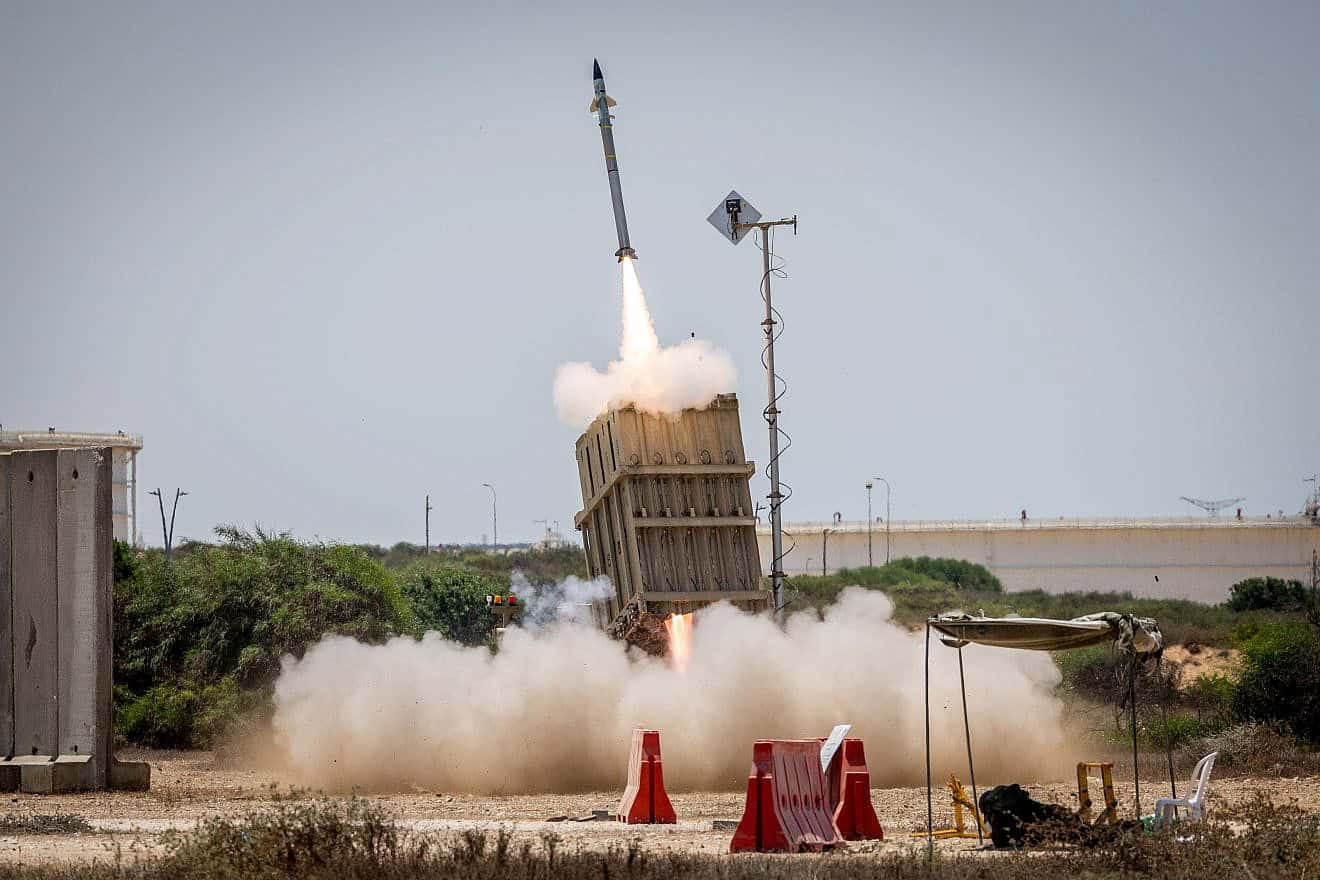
x: 327, y: 257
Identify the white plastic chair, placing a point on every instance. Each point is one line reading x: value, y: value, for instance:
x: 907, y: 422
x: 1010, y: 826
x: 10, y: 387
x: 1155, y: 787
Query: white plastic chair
x: 1166, y: 809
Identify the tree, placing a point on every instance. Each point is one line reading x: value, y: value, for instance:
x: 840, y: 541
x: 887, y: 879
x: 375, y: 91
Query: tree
x: 450, y: 601
x: 1267, y: 593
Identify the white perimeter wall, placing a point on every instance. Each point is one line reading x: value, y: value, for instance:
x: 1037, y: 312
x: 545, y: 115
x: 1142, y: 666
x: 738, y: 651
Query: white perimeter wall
x: 1191, y: 559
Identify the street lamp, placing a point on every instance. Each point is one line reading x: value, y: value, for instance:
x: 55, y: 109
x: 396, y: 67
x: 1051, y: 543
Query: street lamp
x: 870, y: 563
x: 168, y: 532
x: 868, y: 511
x: 824, y: 549
x: 494, y: 514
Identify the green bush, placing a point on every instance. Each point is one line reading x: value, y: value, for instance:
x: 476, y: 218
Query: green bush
x: 1267, y: 593
x: 450, y: 601
x: 1181, y: 729
x: 162, y: 718
x: 126, y: 561
x: 962, y: 574
x: 915, y: 594
x: 1090, y: 672
x: 1280, y: 678
x: 1211, y: 697
x: 202, y: 636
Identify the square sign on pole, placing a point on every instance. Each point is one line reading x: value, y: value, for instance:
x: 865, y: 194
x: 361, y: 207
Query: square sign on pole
x: 731, y: 212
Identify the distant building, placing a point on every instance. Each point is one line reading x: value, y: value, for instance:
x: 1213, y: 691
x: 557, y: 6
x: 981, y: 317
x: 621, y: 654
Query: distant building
x: 1186, y: 558
x: 125, y: 448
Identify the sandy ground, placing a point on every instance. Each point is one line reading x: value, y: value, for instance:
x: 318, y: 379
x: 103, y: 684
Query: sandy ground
x: 189, y: 786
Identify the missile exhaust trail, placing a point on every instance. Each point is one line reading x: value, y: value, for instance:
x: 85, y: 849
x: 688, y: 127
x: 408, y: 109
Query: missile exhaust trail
x: 601, y: 105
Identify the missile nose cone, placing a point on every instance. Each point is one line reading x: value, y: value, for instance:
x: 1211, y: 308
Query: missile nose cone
x: 595, y: 70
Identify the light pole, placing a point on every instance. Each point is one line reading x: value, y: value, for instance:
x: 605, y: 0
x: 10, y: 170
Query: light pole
x: 887, y: 494
x: 494, y: 514
x: 870, y: 563
x: 428, y: 525
x: 167, y: 533
x: 824, y: 549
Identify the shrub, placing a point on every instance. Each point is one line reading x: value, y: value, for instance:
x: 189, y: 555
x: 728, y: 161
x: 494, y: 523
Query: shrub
x: 354, y: 839
x: 1280, y: 678
x: 963, y: 575
x: 294, y: 840
x: 126, y: 561
x: 1179, y: 730
x: 162, y: 718
x: 450, y: 601
x: 1267, y: 593
x: 44, y: 823
x: 1211, y: 697
x: 1254, y: 748
x: 199, y: 640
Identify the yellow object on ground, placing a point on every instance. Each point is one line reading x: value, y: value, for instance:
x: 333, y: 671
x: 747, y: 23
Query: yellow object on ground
x: 1084, y: 768
x: 961, y: 800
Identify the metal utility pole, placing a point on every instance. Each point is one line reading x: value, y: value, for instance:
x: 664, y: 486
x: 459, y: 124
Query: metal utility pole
x: 772, y: 417
x: 734, y: 217
x: 824, y: 549
x: 869, y: 519
x: 167, y: 533
x: 494, y: 514
x: 888, y: 492
x: 164, y: 531
x: 428, y: 525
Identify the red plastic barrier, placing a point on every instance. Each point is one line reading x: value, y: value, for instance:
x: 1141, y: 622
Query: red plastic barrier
x: 849, y: 785
x: 644, y: 799
x: 787, y: 802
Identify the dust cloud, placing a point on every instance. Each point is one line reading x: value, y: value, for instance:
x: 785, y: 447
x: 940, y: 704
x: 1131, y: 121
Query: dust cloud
x: 654, y: 379
x: 552, y: 711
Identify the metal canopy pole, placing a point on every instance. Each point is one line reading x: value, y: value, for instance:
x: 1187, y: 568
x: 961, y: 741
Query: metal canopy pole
x: 1132, y: 705
x: 930, y: 802
x: 971, y: 767
x: 1164, y: 716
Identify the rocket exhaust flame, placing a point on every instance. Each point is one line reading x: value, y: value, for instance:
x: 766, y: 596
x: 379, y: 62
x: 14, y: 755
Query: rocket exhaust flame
x: 679, y: 627
x: 639, y: 344
x: 651, y: 377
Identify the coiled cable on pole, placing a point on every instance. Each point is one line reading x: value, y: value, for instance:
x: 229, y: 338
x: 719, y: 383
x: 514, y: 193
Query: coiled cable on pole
x: 775, y: 268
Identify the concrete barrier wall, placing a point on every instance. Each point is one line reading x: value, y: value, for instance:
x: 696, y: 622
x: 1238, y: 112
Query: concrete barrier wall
x: 1197, y: 559
x: 56, y: 646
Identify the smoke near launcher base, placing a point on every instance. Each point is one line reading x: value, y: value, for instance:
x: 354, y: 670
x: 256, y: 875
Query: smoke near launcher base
x: 553, y: 709
x: 654, y: 378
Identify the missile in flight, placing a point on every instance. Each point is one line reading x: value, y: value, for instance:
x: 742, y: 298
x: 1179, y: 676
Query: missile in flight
x: 601, y: 105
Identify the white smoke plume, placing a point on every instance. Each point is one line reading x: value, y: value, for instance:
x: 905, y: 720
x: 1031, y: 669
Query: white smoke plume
x: 568, y: 601
x: 654, y: 379
x: 553, y: 709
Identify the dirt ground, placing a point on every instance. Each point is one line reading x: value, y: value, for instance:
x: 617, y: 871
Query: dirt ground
x: 189, y: 786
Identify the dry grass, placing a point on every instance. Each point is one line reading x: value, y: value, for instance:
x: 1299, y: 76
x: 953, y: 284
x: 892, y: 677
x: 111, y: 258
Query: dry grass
x: 38, y: 823
x: 353, y: 839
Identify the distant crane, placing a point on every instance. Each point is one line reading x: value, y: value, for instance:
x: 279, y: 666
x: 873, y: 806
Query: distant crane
x: 1212, y: 507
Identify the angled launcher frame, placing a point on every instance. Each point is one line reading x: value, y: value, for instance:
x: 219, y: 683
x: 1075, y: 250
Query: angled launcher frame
x: 667, y: 510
